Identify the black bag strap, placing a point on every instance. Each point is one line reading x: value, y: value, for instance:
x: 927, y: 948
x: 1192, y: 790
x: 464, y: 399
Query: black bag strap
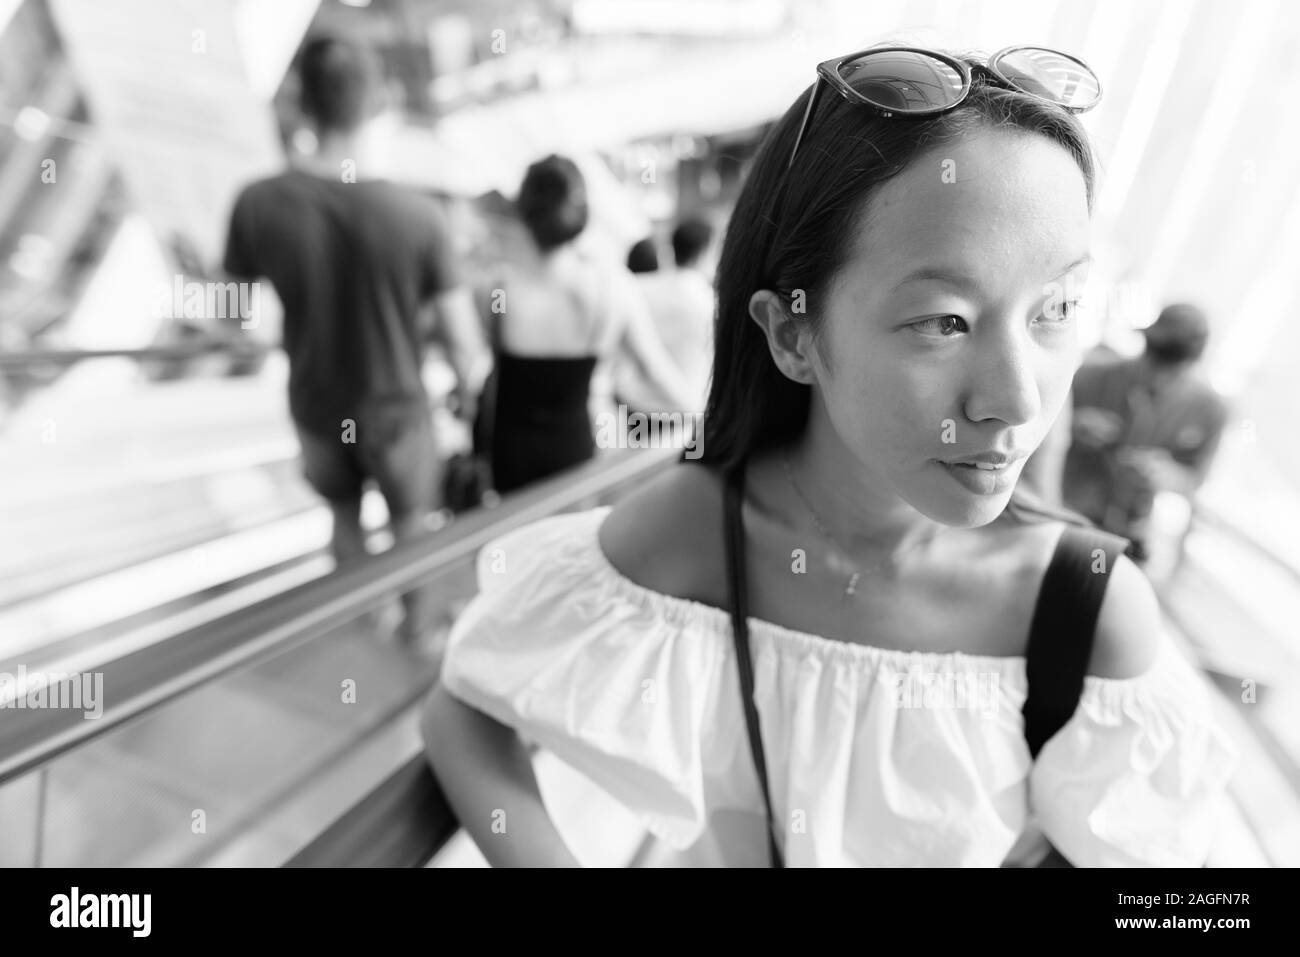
x: 734, y: 537
x: 1061, y: 635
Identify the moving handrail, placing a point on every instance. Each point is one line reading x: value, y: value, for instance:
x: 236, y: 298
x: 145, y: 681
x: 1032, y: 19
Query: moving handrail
x: 144, y: 680
x: 1215, y: 519
x: 187, y: 350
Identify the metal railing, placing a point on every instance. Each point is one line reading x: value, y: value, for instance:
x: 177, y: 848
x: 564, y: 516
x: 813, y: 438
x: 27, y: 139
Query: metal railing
x: 189, y: 350
x: 145, y: 680
x: 1216, y: 520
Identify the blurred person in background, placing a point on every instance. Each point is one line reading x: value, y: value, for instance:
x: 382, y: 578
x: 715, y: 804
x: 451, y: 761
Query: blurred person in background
x: 1044, y: 471
x: 681, y: 304
x: 1142, y: 426
x: 356, y: 262
x: 558, y: 314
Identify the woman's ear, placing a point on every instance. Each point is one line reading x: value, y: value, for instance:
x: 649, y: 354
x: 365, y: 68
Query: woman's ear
x: 789, y: 337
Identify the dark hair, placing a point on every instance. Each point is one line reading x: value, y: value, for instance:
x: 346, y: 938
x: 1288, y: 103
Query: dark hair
x: 1176, y: 352
x: 1178, y: 335
x: 553, y: 202
x: 795, y: 230
x: 338, y: 80
x: 690, y: 239
x: 643, y: 256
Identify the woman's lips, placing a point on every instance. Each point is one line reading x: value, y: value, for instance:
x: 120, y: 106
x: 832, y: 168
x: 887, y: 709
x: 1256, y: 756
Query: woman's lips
x: 982, y: 480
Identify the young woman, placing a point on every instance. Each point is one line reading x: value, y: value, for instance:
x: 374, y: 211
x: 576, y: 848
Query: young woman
x: 890, y: 349
x: 564, y: 312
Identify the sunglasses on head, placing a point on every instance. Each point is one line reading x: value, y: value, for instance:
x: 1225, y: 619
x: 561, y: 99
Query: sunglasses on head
x: 909, y: 82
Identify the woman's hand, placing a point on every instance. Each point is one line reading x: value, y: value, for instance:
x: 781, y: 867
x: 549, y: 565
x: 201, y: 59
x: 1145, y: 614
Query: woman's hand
x: 464, y: 401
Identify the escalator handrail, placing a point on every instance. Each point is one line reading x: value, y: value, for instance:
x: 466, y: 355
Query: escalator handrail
x: 188, y: 350
x: 1220, y: 522
x: 144, y: 680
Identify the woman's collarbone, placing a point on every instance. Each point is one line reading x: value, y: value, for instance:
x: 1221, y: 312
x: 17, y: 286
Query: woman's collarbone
x: 942, y: 604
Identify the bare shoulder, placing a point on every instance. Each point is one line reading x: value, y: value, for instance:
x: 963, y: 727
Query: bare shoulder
x: 667, y: 536
x: 1128, y: 626
x: 1127, y: 633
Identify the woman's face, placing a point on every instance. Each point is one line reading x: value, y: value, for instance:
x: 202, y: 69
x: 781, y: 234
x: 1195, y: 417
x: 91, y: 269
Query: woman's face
x: 945, y: 332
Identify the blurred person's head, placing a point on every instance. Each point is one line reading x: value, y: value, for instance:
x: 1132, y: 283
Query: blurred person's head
x: 553, y: 202
x: 884, y: 297
x: 339, y: 83
x: 643, y: 256
x: 1178, y: 336
x: 690, y: 239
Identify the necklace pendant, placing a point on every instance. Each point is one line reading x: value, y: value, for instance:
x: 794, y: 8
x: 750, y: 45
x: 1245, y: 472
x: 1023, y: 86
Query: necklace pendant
x: 853, y: 584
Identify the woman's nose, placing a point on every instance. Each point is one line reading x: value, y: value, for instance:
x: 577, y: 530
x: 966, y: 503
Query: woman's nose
x: 1003, y: 383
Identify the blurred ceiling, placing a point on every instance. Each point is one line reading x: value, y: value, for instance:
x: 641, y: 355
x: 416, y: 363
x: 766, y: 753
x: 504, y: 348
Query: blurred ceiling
x: 1199, y: 167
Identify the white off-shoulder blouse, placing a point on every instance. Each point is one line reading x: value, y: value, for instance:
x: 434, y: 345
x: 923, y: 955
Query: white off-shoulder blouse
x: 876, y: 757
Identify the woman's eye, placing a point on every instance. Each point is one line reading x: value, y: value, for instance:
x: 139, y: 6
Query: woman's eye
x: 1066, y: 311
x: 943, y: 325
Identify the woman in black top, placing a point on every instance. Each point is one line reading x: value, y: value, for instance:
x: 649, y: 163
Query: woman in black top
x: 556, y: 317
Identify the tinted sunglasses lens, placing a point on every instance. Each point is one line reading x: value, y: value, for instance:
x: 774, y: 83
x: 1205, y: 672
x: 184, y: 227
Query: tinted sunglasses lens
x: 902, y: 81
x: 1051, y: 75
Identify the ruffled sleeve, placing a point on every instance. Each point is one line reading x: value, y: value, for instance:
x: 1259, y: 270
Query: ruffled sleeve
x: 1138, y: 776
x: 575, y: 657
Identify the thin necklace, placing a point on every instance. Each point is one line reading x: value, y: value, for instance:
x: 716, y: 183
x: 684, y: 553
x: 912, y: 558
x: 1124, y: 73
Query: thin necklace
x: 856, y: 573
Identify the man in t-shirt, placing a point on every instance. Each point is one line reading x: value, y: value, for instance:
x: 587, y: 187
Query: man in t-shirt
x: 354, y: 262
x: 1142, y: 426
x: 681, y: 303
